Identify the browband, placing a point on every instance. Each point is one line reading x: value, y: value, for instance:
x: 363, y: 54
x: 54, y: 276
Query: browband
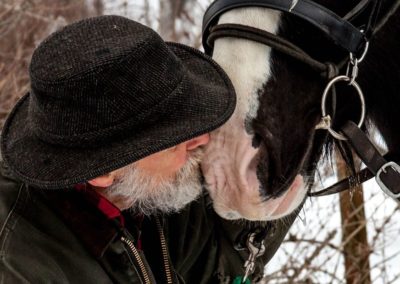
x: 339, y: 30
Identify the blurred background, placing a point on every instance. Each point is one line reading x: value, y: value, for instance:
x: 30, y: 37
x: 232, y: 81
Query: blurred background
x: 351, y: 238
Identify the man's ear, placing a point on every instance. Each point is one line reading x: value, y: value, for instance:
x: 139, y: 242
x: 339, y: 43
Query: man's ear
x: 103, y: 181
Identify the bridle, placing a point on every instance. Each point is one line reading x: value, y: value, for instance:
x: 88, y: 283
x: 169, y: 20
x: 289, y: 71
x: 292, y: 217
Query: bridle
x: 344, y: 34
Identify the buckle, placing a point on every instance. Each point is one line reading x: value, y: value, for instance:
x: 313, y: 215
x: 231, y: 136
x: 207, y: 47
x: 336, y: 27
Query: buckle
x: 383, y: 170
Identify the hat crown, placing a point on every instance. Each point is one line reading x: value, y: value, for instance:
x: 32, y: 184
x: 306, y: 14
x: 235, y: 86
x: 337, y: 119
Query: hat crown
x: 105, y: 75
x: 104, y: 97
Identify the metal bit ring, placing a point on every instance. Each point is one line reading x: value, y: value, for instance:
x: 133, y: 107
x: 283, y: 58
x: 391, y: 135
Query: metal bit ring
x: 323, y: 102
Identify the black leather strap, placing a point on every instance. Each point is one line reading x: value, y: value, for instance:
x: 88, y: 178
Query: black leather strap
x: 367, y: 152
x: 274, y: 41
x: 387, y: 14
x: 372, y: 19
x: 368, y: 11
x: 345, y: 184
x: 363, y: 147
x: 387, y: 173
x: 342, y: 32
x: 357, y: 10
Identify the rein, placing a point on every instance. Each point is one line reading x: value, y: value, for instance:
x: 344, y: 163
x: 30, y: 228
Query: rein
x: 347, y: 36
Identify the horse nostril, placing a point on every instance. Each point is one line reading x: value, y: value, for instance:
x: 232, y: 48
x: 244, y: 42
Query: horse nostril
x: 256, y: 141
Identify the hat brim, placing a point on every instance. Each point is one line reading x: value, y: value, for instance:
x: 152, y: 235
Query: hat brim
x: 205, y: 87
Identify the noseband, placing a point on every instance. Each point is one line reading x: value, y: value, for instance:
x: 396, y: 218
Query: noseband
x: 344, y: 34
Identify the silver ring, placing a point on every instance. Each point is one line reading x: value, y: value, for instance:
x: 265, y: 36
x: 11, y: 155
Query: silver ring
x: 360, y: 95
x: 362, y: 55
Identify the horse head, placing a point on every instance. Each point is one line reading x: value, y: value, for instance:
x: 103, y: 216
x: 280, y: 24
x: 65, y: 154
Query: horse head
x: 261, y: 163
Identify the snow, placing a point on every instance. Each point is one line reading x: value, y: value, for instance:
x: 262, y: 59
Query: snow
x: 321, y: 216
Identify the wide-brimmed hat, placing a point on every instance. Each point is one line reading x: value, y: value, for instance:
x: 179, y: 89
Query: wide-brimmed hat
x: 106, y: 92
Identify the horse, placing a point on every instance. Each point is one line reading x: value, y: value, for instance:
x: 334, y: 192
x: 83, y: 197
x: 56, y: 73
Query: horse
x: 261, y: 164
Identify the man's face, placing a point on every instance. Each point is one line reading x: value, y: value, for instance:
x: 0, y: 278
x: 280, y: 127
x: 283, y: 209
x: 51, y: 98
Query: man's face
x: 164, y: 166
x: 165, y: 181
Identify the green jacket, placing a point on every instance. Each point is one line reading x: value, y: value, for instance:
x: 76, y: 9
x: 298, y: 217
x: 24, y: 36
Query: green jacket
x: 58, y: 237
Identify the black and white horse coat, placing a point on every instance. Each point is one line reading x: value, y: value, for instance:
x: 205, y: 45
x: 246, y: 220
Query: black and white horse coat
x: 259, y: 165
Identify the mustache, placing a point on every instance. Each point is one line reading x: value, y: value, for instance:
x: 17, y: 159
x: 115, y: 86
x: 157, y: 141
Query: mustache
x: 140, y: 193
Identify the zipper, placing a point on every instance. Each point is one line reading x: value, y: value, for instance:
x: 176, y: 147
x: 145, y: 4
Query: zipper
x: 139, y: 260
x: 164, y: 250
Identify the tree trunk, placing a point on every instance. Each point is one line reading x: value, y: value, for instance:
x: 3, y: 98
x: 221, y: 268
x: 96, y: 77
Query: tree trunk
x: 168, y: 14
x: 354, y: 233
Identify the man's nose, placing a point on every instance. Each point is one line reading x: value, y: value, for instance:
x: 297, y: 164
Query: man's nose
x: 198, y: 141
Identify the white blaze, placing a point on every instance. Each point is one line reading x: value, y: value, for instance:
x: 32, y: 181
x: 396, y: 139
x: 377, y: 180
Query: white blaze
x: 248, y: 64
x: 230, y: 161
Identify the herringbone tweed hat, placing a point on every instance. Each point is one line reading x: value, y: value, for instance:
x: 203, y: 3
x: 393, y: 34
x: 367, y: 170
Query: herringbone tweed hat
x: 106, y: 92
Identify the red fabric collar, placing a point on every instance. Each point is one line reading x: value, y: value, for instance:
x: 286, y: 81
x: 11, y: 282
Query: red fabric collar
x: 102, y: 203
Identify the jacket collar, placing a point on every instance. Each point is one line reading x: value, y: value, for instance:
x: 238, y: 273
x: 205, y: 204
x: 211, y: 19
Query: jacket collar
x: 93, y: 219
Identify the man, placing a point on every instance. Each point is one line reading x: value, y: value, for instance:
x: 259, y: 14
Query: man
x: 106, y: 143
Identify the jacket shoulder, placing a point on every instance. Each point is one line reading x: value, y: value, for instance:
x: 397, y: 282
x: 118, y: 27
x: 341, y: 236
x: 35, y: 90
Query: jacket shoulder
x: 10, y: 189
x: 10, y: 195
x: 35, y: 244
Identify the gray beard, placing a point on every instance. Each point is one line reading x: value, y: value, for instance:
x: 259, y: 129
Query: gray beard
x: 138, y: 191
